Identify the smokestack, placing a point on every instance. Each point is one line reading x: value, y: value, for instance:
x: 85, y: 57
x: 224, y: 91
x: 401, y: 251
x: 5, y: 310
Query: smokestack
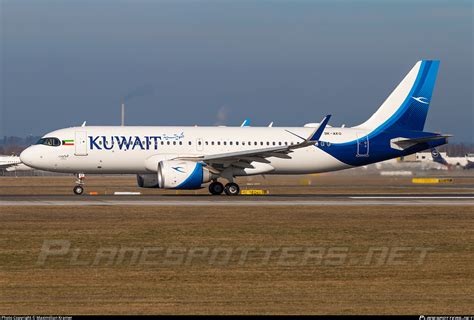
x: 123, y: 113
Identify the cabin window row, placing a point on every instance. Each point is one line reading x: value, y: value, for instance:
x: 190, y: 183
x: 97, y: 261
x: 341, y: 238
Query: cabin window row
x: 232, y: 143
x: 244, y: 143
x: 225, y: 143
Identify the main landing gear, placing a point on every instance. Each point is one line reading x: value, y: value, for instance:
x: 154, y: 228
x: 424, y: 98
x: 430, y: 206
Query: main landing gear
x: 216, y: 188
x: 79, y: 187
x: 230, y: 189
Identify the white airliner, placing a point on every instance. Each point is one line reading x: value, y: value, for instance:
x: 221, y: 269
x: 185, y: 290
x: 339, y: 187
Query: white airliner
x: 13, y: 163
x: 188, y: 157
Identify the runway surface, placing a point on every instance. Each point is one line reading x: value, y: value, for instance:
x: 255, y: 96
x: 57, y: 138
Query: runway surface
x: 224, y: 201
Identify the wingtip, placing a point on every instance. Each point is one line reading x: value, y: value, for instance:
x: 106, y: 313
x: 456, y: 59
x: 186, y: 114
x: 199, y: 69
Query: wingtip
x: 319, y: 131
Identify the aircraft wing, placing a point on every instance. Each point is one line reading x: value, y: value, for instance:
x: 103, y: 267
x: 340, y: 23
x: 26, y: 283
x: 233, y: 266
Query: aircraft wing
x: 245, y: 157
x: 19, y: 167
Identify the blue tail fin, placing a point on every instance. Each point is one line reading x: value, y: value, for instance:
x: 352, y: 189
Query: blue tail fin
x: 416, y: 110
x: 407, y: 106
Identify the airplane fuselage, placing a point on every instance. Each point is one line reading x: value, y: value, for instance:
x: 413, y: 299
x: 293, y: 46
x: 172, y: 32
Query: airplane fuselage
x: 138, y: 149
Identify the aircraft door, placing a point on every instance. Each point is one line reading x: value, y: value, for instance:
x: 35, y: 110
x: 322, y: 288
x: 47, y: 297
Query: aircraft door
x: 199, y: 144
x: 81, y: 143
x: 362, y: 145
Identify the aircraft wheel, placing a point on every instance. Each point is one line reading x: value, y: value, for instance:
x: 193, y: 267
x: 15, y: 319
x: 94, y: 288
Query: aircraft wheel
x: 232, y: 189
x: 78, y: 190
x: 216, y: 188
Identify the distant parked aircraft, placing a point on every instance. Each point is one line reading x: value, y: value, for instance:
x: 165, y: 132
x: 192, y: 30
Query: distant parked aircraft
x: 466, y: 162
x: 13, y: 163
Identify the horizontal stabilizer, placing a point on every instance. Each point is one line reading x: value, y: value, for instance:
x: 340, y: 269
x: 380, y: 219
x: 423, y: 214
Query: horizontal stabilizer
x: 405, y: 143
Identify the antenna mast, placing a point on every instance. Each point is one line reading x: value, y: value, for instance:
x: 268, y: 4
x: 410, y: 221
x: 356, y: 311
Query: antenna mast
x: 123, y: 112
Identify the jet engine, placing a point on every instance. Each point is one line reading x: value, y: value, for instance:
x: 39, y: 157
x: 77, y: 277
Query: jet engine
x: 176, y: 174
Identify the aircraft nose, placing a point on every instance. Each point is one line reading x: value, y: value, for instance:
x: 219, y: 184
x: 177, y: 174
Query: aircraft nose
x: 29, y: 156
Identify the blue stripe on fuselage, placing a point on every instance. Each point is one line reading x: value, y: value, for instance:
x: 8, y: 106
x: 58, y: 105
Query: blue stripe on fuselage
x: 379, y: 147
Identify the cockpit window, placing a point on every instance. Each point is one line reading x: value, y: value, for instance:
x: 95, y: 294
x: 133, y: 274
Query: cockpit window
x: 53, y: 142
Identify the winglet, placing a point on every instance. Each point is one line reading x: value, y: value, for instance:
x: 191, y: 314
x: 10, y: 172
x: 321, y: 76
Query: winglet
x: 319, y: 131
x: 246, y: 123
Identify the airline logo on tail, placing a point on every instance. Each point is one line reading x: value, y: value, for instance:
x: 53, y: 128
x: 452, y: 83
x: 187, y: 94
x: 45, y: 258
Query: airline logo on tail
x: 437, y: 157
x: 421, y: 100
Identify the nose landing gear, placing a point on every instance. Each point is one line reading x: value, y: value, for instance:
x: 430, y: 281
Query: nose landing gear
x: 79, y: 188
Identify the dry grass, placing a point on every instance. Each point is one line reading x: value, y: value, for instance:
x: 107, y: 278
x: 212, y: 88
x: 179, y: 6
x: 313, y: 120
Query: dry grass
x: 440, y: 285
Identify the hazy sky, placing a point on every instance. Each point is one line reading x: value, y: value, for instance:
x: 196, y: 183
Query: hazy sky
x: 207, y: 62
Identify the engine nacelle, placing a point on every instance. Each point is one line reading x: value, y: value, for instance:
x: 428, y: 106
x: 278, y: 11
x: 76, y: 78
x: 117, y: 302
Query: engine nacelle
x: 176, y: 174
x: 147, y: 180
